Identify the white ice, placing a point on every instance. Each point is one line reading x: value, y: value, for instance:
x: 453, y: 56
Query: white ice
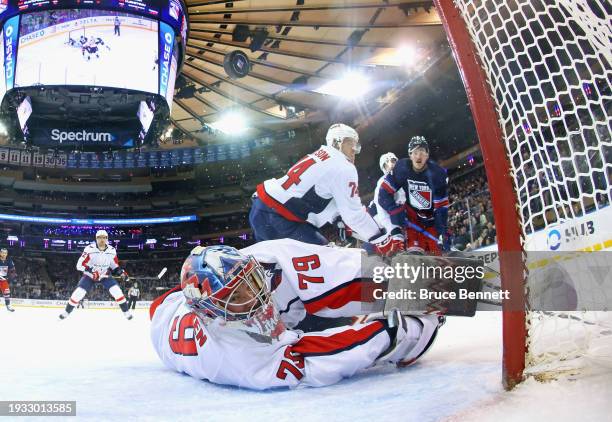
x: 128, y: 62
x: 108, y: 366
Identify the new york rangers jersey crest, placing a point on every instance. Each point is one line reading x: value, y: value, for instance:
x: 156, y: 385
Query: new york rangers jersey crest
x: 419, y: 194
x: 426, y: 195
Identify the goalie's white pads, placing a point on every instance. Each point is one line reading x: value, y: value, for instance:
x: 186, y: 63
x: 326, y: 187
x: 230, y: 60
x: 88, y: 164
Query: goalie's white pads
x: 415, y: 335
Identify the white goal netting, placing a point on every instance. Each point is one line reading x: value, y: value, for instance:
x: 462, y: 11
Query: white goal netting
x: 547, y: 64
x: 76, y: 34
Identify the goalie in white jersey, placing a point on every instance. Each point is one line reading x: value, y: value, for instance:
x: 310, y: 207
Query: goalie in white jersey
x: 230, y: 320
x: 98, y: 262
x: 317, y: 190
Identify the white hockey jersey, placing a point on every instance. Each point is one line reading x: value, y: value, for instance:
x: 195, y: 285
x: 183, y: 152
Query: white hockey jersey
x: 382, y: 216
x: 324, y: 280
x: 319, y: 188
x: 93, y: 259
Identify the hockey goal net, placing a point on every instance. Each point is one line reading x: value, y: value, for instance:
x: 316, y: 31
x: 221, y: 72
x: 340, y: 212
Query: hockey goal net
x: 537, y: 74
x: 76, y: 34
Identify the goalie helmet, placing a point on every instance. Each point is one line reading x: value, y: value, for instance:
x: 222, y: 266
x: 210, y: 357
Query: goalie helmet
x: 338, y: 132
x: 417, y: 142
x: 219, y: 281
x: 384, y: 159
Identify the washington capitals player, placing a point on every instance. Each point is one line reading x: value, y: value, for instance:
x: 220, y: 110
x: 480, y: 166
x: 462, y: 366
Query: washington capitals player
x: 317, y: 190
x: 97, y: 260
x: 7, y: 274
x: 387, y: 163
x: 425, y: 214
x: 230, y: 322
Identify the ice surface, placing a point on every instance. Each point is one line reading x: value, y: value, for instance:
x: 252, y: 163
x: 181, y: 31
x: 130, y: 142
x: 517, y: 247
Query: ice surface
x: 109, y: 367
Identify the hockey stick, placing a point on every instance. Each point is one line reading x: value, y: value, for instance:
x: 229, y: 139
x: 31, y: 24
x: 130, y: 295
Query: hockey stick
x: 158, y: 277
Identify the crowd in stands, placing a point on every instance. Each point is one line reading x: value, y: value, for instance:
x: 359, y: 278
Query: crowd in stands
x: 31, y: 281
x: 470, y: 214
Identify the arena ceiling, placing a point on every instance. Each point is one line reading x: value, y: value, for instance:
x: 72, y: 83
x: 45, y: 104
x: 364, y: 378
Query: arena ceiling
x: 298, y: 49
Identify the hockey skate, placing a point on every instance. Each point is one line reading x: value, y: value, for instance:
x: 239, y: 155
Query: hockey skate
x: 128, y: 315
x: 63, y: 315
x: 10, y: 308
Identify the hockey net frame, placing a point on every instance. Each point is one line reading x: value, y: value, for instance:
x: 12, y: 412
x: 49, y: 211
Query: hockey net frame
x: 80, y: 31
x: 481, y: 34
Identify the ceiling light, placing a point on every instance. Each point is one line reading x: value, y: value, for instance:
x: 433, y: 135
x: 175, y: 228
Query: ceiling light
x: 352, y: 85
x: 231, y: 123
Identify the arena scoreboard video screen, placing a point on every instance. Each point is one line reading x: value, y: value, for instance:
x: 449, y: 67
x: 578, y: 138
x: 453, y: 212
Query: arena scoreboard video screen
x: 91, y: 43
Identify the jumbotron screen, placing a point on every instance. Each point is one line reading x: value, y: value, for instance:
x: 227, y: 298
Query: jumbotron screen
x: 88, y: 47
x: 81, y: 43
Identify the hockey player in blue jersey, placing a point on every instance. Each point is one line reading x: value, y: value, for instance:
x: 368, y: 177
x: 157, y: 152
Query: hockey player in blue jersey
x: 317, y: 190
x: 425, y: 214
x: 7, y: 274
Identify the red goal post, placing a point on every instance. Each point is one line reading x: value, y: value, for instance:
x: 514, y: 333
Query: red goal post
x: 536, y: 94
x: 501, y: 184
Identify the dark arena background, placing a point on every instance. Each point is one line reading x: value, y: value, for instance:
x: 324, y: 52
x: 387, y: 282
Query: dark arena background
x: 156, y: 120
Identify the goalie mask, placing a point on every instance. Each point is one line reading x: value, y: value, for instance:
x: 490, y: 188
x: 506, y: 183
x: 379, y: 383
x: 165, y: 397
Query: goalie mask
x: 219, y: 281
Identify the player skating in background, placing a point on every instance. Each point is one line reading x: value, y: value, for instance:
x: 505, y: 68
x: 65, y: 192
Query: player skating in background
x: 317, y: 190
x: 227, y: 321
x: 97, y: 262
x: 90, y: 47
x: 100, y: 43
x: 425, y: 214
x: 7, y: 275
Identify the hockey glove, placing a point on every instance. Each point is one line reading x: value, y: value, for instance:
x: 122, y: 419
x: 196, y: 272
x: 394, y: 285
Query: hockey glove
x: 120, y: 272
x: 390, y: 246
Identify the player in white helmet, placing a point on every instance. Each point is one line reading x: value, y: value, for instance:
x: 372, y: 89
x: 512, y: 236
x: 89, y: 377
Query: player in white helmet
x: 231, y: 320
x: 98, y: 263
x: 386, y: 162
x: 317, y: 190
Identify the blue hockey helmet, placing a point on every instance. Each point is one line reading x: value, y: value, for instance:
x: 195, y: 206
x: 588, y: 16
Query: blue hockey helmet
x: 221, y: 281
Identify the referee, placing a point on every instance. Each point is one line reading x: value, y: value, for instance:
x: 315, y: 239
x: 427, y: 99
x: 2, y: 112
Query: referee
x: 133, y: 295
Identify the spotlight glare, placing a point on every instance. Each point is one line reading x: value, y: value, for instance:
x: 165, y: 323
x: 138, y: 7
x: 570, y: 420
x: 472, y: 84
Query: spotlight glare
x: 352, y: 85
x: 231, y: 123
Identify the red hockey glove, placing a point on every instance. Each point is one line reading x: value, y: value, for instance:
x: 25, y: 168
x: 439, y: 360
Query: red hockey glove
x: 390, y: 246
